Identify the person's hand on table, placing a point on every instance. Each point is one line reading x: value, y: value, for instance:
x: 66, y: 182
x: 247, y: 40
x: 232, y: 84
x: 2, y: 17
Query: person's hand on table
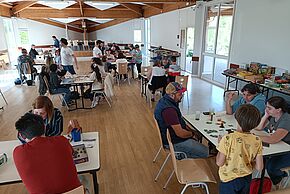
x: 73, y: 124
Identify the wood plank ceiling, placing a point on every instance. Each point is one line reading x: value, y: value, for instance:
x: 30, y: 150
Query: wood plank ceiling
x: 86, y: 17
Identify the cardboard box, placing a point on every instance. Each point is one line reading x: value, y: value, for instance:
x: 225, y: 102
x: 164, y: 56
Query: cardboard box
x: 255, y: 78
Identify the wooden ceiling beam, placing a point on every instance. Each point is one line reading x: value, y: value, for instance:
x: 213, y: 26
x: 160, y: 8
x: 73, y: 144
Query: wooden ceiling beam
x: 22, y: 6
x: 107, y: 24
x: 135, y: 8
x: 65, y: 13
x: 155, y: 5
x: 49, y: 22
x: 6, y: 5
x: 5, y: 11
x: 148, y: 12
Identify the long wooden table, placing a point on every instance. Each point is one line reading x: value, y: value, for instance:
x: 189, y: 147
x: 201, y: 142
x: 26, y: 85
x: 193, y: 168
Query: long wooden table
x: 9, y: 174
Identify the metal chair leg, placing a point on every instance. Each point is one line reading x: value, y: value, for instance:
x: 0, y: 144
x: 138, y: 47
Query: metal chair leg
x: 161, y: 168
x: 157, y: 154
x: 169, y: 178
x: 3, y: 97
x: 107, y: 99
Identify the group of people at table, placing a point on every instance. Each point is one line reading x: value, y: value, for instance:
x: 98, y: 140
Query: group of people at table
x: 39, y: 131
x: 240, y: 152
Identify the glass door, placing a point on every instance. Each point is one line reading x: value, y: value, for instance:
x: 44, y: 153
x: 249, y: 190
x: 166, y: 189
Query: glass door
x: 189, y: 49
x: 218, y: 30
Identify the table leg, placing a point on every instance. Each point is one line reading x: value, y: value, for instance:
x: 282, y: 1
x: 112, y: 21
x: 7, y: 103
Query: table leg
x: 82, y: 95
x: 262, y: 178
x: 95, y: 181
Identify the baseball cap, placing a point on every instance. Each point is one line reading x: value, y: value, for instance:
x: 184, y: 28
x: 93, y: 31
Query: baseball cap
x: 174, y: 87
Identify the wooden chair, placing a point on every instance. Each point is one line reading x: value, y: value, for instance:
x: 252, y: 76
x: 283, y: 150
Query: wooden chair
x: 183, y: 80
x: 59, y: 95
x: 191, y: 172
x: 122, y: 69
x: 165, y: 151
x: 145, y: 70
x: 78, y: 190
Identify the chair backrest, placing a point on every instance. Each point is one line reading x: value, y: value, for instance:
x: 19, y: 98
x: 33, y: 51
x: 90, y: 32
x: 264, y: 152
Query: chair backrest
x: 78, y: 190
x: 171, y: 148
x: 158, y: 131
x: 182, y: 80
x: 145, y: 70
x: 86, y: 43
x: 46, y: 84
x: 75, y: 42
x: 122, y: 68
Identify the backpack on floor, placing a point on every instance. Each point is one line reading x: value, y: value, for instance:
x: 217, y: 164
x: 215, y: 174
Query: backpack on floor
x: 255, y: 184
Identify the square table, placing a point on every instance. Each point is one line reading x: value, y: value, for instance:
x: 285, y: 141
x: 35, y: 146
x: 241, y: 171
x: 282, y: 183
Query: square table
x: 9, y: 174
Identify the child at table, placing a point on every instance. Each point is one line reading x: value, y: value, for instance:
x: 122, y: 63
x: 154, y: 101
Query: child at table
x: 240, y: 152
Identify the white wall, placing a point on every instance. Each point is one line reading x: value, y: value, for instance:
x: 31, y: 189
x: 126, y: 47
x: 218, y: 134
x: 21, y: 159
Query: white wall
x: 120, y: 33
x: 165, y: 27
x: 261, y: 33
x: 2, y: 37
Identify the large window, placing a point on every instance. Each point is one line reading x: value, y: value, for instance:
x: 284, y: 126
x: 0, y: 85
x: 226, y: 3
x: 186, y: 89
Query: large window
x: 137, y: 37
x: 218, y: 29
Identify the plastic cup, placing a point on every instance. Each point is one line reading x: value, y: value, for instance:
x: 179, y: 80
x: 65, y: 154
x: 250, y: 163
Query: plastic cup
x: 197, y: 115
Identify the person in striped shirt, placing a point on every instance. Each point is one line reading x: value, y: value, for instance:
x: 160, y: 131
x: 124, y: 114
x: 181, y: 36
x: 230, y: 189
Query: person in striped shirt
x: 51, y: 116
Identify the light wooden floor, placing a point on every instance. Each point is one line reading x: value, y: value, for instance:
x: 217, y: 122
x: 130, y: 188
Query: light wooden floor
x: 128, y: 140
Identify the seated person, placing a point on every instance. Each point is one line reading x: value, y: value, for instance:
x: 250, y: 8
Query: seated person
x: 157, y: 78
x: 52, y: 117
x: 165, y: 63
x: 25, y: 65
x: 45, y: 164
x: 42, y: 89
x: 173, y: 70
x: 121, y: 59
x: 55, y: 87
x: 277, y: 120
x: 168, y: 116
x: 97, y: 85
x: 250, y: 95
x: 33, y: 52
x: 98, y: 62
x: 240, y: 152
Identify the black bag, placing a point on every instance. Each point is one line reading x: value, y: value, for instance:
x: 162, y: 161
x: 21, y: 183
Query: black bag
x: 87, y: 93
x: 17, y: 81
x: 75, y: 95
x: 29, y: 82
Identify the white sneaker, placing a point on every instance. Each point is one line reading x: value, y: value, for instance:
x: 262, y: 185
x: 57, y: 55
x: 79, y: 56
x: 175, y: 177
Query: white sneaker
x: 95, y: 102
x: 284, y: 182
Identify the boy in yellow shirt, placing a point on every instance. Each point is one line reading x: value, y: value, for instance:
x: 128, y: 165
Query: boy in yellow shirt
x: 240, y: 152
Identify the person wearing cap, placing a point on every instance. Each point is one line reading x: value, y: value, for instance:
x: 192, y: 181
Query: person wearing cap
x: 168, y: 116
x: 33, y: 52
x: 67, y: 57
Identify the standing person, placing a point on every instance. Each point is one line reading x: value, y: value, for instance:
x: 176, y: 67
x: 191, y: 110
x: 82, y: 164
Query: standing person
x: 240, y: 152
x: 169, y: 117
x: 45, y: 164
x: 137, y: 54
x: 97, y: 51
x: 33, y: 52
x: 25, y: 65
x: 277, y: 120
x: 251, y: 94
x: 52, y: 117
x: 67, y: 57
x: 55, y: 42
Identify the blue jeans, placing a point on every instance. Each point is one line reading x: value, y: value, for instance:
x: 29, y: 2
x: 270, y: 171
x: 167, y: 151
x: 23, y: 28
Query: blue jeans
x: 239, y: 185
x: 67, y: 96
x: 69, y: 68
x: 273, y: 166
x: 192, y: 148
